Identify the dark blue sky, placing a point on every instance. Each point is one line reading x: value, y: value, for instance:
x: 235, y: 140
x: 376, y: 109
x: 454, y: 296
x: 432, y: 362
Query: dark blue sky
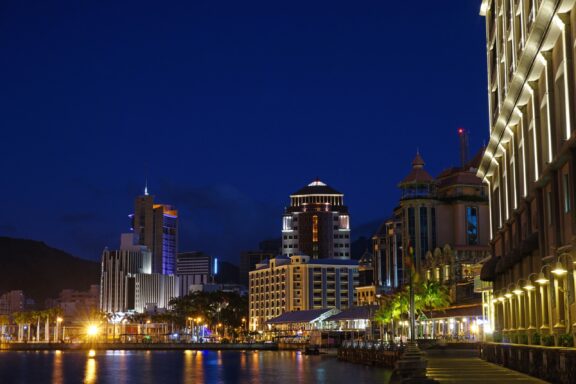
x: 228, y: 107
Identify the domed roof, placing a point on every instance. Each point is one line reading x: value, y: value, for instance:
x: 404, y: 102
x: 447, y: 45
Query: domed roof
x: 418, y: 174
x: 317, y: 188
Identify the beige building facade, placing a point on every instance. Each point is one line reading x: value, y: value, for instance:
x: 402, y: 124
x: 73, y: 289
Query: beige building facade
x: 528, y: 167
x: 299, y: 283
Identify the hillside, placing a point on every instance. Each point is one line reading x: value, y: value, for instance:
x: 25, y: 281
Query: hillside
x: 41, y: 271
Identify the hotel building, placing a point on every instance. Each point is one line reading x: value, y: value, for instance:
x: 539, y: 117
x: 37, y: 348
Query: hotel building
x: 298, y: 283
x: 529, y: 167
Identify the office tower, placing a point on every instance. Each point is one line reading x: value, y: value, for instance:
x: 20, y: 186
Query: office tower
x: 156, y: 227
x: 117, y: 266
x: 316, y: 223
x: 195, y: 268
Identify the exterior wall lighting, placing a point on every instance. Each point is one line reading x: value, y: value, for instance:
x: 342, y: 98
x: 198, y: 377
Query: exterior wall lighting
x: 542, y: 280
x: 559, y: 270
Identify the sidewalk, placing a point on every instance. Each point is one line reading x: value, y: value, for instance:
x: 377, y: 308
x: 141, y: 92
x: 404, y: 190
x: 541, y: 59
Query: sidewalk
x: 464, y: 366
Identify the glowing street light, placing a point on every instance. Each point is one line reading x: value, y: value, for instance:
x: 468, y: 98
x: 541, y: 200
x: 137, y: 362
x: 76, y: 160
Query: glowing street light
x: 92, y: 330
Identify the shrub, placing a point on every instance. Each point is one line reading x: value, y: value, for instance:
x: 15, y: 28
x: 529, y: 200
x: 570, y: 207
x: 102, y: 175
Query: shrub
x: 522, y: 338
x: 566, y: 340
x: 535, y: 338
x: 547, y: 340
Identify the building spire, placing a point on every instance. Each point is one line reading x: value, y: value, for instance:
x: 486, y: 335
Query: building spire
x: 146, y: 188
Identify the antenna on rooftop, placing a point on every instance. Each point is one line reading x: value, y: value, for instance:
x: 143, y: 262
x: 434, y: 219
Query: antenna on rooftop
x: 463, y: 135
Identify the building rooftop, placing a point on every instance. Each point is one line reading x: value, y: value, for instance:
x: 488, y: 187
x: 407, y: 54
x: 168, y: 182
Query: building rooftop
x: 333, y: 262
x: 418, y: 174
x: 316, y: 188
x: 355, y: 313
x: 308, y: 316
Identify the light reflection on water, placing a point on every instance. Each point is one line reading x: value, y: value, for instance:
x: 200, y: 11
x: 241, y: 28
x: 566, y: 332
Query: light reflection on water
x: 91, y: 371
x: 57, y: 368
x: 189, y: 367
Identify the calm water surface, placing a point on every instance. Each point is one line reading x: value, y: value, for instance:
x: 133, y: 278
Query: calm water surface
x: 250, y: 367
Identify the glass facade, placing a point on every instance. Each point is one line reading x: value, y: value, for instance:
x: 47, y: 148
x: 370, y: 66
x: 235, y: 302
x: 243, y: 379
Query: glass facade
x: 472, y: 225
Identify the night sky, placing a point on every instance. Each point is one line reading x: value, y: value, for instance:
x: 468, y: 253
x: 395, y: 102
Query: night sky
x: 227, y: 107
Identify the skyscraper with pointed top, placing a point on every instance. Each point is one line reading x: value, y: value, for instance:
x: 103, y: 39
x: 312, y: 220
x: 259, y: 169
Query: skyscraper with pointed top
x: 156, y: 226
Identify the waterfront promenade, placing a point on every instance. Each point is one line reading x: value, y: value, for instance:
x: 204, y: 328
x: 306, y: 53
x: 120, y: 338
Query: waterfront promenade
x: 464, y: 366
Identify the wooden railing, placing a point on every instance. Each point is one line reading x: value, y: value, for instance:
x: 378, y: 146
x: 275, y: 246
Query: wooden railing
x: 553, y: 364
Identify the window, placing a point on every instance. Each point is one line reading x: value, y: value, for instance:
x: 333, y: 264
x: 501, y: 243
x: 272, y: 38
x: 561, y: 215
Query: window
x: 549, y: 207
x: 472, y: 225
x: 424, y: 230
x: 566, y: 192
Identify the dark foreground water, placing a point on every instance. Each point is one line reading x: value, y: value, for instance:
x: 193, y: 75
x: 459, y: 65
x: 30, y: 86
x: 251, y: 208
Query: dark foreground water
x: 250, y: 367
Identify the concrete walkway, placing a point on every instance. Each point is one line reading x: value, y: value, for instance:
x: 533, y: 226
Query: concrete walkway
x: 464, y: 366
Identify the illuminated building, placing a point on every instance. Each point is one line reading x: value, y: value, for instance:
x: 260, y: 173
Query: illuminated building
x: 443, y: 222
x: 529, y: 167
x: 316, y: 223
x: 387, y: 250
x: 117, y: 266
x: 127, y: 284
x: 151, y: 292
x: 156, y: 226
x: 195, y: 269
x: 299, y: 283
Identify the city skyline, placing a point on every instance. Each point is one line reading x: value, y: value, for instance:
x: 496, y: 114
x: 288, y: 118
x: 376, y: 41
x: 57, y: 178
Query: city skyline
x: 220, y: 116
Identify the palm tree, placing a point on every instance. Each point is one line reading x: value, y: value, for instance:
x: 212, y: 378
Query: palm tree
x: 4, y: 321
x: 432, y: 295
x: 20, y: 320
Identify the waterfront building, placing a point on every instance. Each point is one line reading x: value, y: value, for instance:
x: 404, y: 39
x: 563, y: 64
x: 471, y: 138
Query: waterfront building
x: 156, y: 227
x: 195, y: 269
x: 298, y: 283
x: 441, y: 224
x: 529, y: 166
x: 127, y: 284
x: 117, y: 266
x: 150, y: 293
x: 316, y: 223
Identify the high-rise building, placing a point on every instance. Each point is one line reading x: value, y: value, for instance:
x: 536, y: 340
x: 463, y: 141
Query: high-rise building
x: 387, y: 250
x: 117, y: 266
x: 299, y: 283
x: 529, y: 167
x: 316, y: 223
x: 156, y: 227
x: 151, y: 292
x: 195, y: 268
x: 127, y: 283
x: 249, y: 260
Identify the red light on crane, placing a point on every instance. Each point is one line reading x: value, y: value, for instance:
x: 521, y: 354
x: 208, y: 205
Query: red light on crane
x: 460, y: 131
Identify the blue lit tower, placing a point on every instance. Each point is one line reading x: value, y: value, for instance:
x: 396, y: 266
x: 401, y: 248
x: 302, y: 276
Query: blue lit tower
x: 156, y: 226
